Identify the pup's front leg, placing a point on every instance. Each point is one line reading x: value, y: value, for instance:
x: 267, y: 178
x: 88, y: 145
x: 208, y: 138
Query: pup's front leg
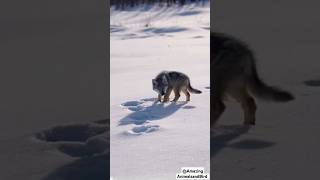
x: 159, y: 98
x: 167, y: 95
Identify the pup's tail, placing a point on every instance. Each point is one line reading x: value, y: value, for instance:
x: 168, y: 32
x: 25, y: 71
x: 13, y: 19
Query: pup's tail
x: 192, y: 90
x: 265, y: 92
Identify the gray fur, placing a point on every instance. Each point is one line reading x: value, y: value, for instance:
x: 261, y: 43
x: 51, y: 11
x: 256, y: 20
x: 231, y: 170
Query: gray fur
x: 234, y: 74
x: 168, y: 81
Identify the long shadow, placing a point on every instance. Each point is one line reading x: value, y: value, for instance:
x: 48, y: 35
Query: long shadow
x: 93, y: 168
x: 312, y: 83
x: 131, y: 36
x: 150, y: 32
x: 114, y: 29
x: 154, y: 112
x: 165, y: 30
x: 189, y: 13
x: 221, y: 141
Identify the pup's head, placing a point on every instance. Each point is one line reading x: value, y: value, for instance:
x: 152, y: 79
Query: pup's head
x: 160, y: 85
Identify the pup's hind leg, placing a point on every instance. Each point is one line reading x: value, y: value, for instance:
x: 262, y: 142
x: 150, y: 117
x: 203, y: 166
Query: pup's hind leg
x: 185, y: 91
x: 216, y: 98
x: 218, y: 108
x: 248, y: 105
x: 249, y: 108
x: 176, y: 94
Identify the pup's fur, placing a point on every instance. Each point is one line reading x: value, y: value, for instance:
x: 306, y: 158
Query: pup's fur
x: 167, y: 81
x: 234, y: 74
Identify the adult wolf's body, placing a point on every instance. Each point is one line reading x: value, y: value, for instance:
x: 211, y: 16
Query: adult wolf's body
x: 168, y: 81
x: 234, y: 74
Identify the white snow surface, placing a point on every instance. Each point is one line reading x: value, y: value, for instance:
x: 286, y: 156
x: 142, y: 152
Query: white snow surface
x: 154, y: 140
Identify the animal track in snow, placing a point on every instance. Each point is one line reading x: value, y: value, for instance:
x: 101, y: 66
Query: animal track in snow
x: 78, y: 140
x: 148, y: 110
x: 74, y: 132
x: 131, y: 103
x: 144, y: 129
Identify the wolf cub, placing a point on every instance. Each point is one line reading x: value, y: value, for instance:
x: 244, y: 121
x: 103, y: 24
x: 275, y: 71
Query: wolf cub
x: 234, y: 74
x: 167, y: 81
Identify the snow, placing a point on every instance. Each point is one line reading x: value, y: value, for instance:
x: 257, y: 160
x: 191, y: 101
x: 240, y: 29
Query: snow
x: 154, y: 140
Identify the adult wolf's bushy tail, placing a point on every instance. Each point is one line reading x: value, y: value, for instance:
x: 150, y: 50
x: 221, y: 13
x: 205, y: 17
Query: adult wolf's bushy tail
x: 192, y: 90
x: 263, y: 91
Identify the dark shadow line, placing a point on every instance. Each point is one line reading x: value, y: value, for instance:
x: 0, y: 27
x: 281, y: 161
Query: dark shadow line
x: 233, y: 132
x: 156, y: 111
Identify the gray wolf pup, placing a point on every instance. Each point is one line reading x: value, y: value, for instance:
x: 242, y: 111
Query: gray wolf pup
x: 234, y: 74
x: 167, y: 81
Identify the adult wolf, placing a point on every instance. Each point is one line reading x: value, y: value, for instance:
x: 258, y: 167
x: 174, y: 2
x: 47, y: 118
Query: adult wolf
x: 166, y: 81
x: 234, y: 74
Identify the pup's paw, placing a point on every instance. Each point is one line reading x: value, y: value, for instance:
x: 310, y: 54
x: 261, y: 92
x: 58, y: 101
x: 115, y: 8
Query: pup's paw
x: 165, y: 101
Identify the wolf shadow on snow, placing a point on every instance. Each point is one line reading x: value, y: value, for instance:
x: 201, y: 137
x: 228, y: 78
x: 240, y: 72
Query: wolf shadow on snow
x: 232, y: 132
x: 156, y: 111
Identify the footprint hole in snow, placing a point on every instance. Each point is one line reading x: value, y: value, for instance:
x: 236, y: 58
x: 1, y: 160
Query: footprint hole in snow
x: 131, y: 103
x: 75, y: 132
x: 139, y: 130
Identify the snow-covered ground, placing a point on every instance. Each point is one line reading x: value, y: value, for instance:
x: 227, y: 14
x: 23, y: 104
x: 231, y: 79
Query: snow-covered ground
x: 284, y: 144
x: 147, y: 140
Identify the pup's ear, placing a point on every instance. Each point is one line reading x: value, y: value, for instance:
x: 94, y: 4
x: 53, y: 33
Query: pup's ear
x: 164, y: 80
